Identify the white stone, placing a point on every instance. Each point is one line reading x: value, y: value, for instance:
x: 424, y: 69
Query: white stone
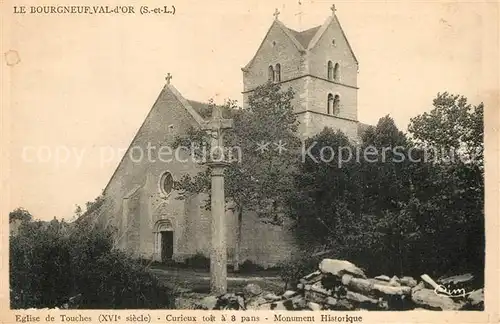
x: 340, y: 267
x: 252, y: 290
x: 395, y: 282
x: 331, y: 301
x: 428, y: 281
x: 428, y: 298
x: 208, y: 302
x: 408, y: 281
x: 383, y: 278
x: 476, y: 297
x: 359, y: 298
x: 289, y: 293
x: 272, y: 297
x: 314, y: 306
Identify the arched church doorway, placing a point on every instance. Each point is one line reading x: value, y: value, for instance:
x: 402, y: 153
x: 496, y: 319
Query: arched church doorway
x: 167, y: 245
x: 164, y: 240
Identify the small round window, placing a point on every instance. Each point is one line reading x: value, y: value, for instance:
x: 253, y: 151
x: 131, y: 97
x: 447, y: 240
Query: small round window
x: 166, y: 183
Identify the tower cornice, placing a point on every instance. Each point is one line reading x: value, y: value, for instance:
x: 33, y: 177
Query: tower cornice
x: 312, y: 76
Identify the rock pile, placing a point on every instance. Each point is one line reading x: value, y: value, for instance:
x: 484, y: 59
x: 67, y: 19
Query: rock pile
x: 340, y: 285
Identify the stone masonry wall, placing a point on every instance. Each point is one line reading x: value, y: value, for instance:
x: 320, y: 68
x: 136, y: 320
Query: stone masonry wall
x: 282, y: 51
x: 318, y: 91
x: 190, y: 219
x: 340, y: 53
x: 312, y: 123
x: 134, y: 171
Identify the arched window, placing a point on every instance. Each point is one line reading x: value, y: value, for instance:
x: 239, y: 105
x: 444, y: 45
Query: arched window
x: 330, y: 70
x: 336, y: 105
x: 329, y: 105
x: 270, y: 73
x: 336, y: 72
x: 166, y: 183
x: 277, y: 71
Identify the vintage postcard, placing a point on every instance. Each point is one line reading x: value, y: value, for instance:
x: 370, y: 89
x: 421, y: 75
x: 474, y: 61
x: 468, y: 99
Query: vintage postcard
x: 249, y: 161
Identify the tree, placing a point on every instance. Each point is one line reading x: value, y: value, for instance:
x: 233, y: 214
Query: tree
x: 451, y: 135
x: 261, y: 179
x: 90, y: 206
x: 388, y: 192
x: 354, y: 201
x: 20, y: 214
x: 453, y: 126
x: 78, y: 211
x: 385, y: 167
x: 413, y: 205
x: 325, y: 193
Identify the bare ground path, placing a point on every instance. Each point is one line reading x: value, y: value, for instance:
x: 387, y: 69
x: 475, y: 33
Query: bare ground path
x: 192, y: 285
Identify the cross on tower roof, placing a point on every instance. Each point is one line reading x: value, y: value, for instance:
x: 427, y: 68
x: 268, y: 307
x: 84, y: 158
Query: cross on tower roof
x: 333, y: 9
x: 276, y: 13
x: 168, y: 78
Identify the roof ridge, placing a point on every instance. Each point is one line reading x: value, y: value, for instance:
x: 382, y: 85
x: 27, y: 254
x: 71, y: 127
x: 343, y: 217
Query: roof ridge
x: 305, y: 36
x: 324, y: 27
x: 301, y: 31
x: 287, y: 32
x: 184, y: 103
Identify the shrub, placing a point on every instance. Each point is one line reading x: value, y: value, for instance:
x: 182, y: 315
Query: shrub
x: 51, y: 262
x: 198, y: 261
x: 249, y: 267
x: 292, y: 270
x: 20, y: 214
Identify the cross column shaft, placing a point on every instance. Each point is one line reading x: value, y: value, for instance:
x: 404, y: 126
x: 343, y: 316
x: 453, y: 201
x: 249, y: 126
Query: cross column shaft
x: 218, y: 255
x: 218, y: 249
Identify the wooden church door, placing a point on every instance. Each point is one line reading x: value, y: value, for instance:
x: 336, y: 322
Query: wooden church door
x: 167, y: 245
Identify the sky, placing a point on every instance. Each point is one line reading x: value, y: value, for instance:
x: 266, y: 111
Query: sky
x: 85, y: 83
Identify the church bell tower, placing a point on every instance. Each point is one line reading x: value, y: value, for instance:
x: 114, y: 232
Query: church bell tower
x: 320, y: 66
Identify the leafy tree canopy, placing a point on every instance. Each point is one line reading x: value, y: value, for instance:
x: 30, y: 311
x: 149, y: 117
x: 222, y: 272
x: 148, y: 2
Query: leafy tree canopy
x: 260, y: 178
x: 396, y: 211
x: 452, y: 124
x: 20, y: 214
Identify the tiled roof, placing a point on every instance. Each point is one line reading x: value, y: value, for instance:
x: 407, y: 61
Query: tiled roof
x: 305, y: 37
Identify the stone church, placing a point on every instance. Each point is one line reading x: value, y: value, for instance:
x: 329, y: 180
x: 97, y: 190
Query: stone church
x: 139, y: 200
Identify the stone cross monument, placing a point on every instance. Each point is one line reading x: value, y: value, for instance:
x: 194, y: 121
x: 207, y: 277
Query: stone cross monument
x: 218, y: 251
